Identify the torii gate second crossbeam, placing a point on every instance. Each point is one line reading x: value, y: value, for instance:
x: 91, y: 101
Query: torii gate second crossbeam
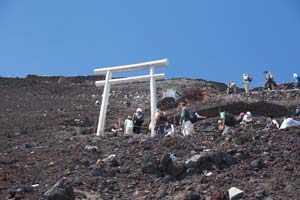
x: 109, y: 81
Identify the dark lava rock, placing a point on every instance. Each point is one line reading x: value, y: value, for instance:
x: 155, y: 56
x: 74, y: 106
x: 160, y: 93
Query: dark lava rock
x: 192, y: 171
x: 260, y: 194
x: 19, y: 196
x: 22, y: 132
x: 99, y: 171
x: 12, y: 194
x: 111, y: 161
x: 27, y: 146
x: 149, y: 164
x: 228, y: 159
x: 170, y: 166
x: 192, y: 195
x: 176, y: 168
x: 165, y: 162
x: 269, y: 198
x: 193, y: 162
x: 257, y: 164
x: 60, y: 191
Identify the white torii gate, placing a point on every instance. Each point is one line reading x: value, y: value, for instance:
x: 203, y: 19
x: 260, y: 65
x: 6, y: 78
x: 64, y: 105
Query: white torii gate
x: 109, y: 81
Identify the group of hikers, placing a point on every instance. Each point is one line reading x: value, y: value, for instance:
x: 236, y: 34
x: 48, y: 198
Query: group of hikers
x: 270, y: 83
x: 163, y: 126
x: 229, y: 121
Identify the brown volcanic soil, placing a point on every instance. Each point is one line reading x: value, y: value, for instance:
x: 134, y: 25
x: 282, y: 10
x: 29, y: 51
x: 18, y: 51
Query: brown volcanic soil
x: 40, y: 142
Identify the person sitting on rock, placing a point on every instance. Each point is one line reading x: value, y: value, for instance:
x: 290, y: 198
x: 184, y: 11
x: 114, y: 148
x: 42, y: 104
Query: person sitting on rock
x: 231, y: 88
x: 128, y: 126
x: 297, y: 81
x: 138, y: 120
x: 115, y: 129
x: 247, y: 120
x: 270, y: 83
x: 187, y: 127
x: 227, y: 123
x: 168, y: 129
x: 271, y: 122
x: 288, y: 123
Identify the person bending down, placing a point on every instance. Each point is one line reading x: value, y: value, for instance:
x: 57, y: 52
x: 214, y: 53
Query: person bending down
x: 227, y: 123
x: 288, y: 123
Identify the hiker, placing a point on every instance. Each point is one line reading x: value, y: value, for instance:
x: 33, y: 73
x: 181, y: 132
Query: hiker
x: 239, y: 118
x: 128, y: 126
x: 227, y: 123
x: 115, y: 129
x: 297, y: 81
x: 270, y: 83
x: 297, y: 113
x: 160, y: 119
x: 231, y: 88
x: 138, y: 120
x: 247, y: 120
x: 168, y: 129
x: 187, y: 127
x: 271, y: 122
x: 288, y: 123
x: 247, y: 78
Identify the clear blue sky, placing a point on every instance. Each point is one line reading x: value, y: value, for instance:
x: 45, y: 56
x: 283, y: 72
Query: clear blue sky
x: 210, y: 39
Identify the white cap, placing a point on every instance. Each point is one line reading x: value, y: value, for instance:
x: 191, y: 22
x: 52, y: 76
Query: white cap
x: 248, y: 113
x: 139, y: 110
x: 295, y: 75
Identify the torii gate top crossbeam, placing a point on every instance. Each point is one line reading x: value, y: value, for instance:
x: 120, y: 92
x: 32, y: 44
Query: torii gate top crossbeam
x: 130, y: 79
x: 133, y: 67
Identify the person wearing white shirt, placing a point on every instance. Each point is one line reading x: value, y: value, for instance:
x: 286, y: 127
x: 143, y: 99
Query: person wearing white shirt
x: 289, y: 122
x: 128, y: 126
x: 247, y: 119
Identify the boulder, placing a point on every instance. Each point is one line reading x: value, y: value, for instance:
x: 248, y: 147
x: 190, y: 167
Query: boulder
x: 257, y: 164
x: 176, y: 168
x: 150, y: 164
x: 111, y: 160
x: 91, y: 148
x: 165, y: 162
x: 260, y: 194
x: 228, y: 159
x: 235, y: 193
x: 193, y: 162
x: 216, y: 158
x: 60, y: 191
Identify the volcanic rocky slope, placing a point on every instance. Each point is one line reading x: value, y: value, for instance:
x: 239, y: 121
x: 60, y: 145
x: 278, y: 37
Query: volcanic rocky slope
x: 47, y: 133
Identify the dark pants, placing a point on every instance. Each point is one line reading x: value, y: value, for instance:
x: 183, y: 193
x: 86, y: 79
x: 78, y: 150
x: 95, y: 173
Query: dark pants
x: 270, y: 84
x: 137, y: 128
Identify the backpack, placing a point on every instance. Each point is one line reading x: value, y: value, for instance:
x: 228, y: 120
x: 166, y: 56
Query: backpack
x: 139, y: 119
x: 229, y: 119
x: 269, y: 76
x: 248, y: 77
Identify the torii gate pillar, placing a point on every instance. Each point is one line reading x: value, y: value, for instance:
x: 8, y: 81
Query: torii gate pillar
x: 104, y: 103
x: 153, y: 100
